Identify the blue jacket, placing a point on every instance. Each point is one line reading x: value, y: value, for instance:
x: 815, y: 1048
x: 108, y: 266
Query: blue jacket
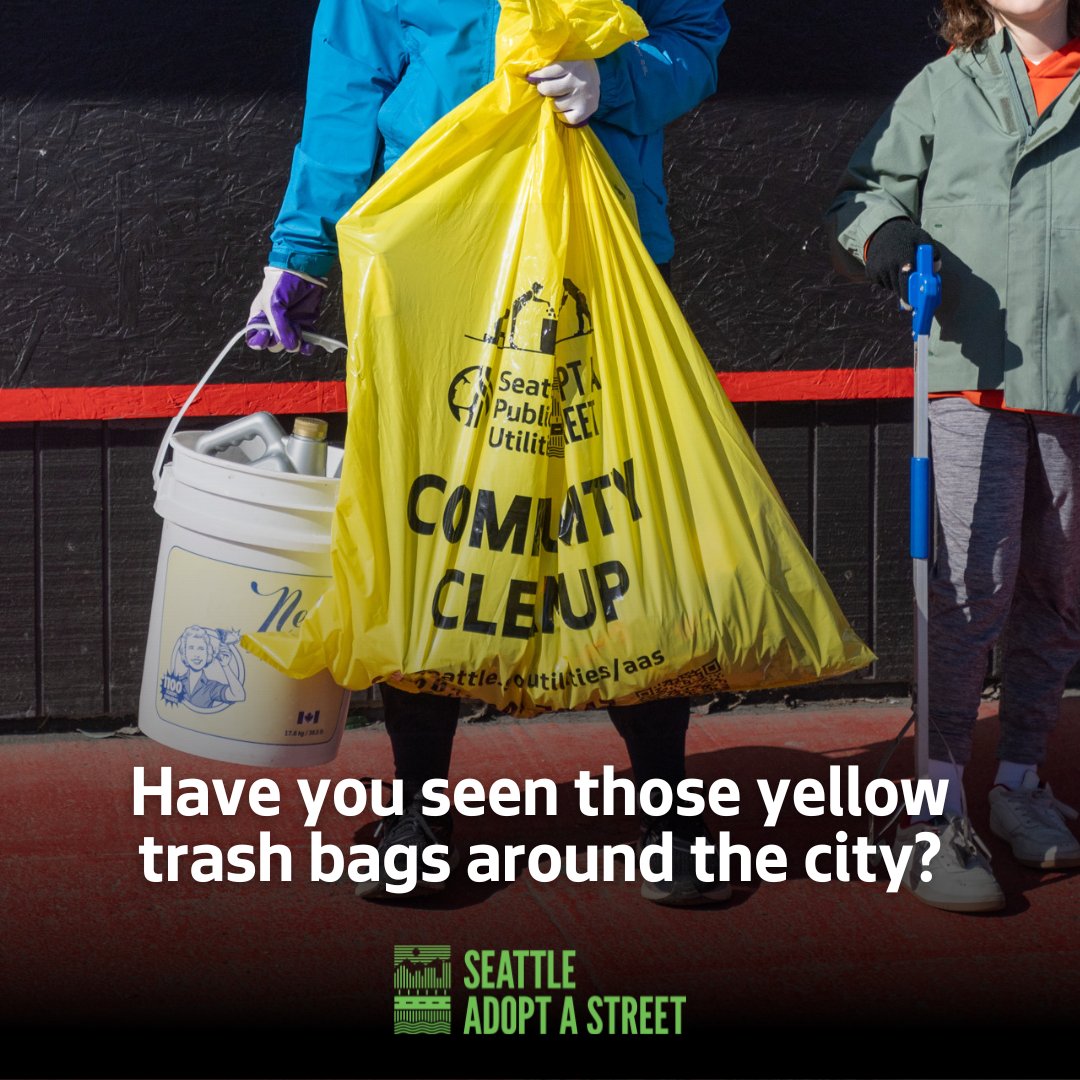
x: 381, y: 73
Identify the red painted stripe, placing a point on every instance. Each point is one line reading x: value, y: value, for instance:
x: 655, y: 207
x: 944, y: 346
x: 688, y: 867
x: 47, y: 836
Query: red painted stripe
x: 239, y: 399
x: 135, y: 402
x: 839, y: 384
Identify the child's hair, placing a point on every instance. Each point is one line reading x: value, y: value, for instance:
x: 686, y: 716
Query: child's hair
x: 966, y: 23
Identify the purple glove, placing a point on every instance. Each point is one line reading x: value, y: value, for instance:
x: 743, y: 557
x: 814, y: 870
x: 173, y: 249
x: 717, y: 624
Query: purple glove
x: 288, y: 303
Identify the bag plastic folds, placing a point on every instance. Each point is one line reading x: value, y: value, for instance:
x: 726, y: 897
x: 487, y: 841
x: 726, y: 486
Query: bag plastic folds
x: 547, y: 501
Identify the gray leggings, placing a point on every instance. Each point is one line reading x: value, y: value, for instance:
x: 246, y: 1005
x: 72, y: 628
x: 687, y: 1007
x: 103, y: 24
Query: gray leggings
x: 1007, y: 490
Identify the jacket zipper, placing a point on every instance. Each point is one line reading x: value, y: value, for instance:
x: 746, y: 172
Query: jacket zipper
x: 1027, y: 128
x: 1027, y: 131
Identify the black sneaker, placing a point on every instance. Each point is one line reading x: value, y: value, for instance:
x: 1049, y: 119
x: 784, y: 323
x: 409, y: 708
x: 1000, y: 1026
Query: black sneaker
x: 410, y: 829
x: 684, y: 889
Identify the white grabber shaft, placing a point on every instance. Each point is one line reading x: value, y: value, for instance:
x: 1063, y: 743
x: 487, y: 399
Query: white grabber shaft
x: 924, y: 295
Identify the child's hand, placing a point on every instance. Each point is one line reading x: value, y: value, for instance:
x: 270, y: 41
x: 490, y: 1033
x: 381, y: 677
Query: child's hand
x: 891, y: 251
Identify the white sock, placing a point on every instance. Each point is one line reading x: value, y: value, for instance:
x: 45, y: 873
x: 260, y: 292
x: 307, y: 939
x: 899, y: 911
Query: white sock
x: 1010, y: 774
x: 954, y: 795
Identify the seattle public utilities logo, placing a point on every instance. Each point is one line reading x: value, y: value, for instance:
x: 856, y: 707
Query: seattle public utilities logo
x: 469, y: 396
x: 422, y: 989
x: 533, y: 406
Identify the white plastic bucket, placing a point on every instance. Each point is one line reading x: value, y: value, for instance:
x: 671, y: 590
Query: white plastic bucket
x: 242, y: 550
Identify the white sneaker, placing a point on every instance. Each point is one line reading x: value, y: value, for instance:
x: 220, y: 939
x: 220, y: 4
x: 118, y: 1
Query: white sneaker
x: 1032, y: 821
x: 684, y: 889
x: 961, y: 879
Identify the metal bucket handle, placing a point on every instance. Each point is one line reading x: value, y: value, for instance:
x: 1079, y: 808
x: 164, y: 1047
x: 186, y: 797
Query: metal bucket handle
x: 328, y: 343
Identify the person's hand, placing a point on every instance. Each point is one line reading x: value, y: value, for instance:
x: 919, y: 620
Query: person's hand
x: 573, y: 86
x: 891, y: 253
x: 287, y: 304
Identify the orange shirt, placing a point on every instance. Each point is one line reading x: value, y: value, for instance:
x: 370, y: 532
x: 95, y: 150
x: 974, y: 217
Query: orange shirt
x: 1053, y: 74
x: 1048, y: 79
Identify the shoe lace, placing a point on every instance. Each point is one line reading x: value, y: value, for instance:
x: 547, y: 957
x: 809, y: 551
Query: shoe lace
x: 964, y: 842
x: 410, y: 827
x: 683, y: 864
x: 1039, y: 807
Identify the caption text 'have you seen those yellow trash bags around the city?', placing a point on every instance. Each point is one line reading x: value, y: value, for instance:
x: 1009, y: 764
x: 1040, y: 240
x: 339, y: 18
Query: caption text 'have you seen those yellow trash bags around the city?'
x: 547, y: 500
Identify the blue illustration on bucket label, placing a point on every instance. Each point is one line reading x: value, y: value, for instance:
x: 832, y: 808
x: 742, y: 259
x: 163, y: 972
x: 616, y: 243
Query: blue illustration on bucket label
x: 206, y: 671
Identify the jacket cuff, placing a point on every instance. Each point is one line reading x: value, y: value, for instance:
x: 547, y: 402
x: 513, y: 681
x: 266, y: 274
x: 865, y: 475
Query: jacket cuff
x: 615, y: 87
x: 856, y: 238
x: 312, y: 264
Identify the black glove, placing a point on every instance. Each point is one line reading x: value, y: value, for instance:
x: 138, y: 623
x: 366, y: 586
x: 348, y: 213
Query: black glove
x: 892, y: 248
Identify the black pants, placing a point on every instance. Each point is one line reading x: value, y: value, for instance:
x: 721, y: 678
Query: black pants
x: 422, y: 728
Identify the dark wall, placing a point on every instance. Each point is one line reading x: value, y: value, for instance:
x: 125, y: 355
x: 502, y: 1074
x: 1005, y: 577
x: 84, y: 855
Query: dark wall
x: 144, y: 148
x: 147, y: 146
x: 752, y: 171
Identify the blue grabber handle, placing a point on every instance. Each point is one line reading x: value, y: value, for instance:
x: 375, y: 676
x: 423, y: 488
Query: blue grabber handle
x: 924, y: 296
x: 923, y: 291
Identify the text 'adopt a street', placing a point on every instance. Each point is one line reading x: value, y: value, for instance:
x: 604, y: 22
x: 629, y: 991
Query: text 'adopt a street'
x: 548, y: 1007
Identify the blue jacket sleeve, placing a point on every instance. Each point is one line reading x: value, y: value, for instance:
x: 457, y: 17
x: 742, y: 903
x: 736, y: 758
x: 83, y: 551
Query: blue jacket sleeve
x: 647, y: 84
x: 357, y: 58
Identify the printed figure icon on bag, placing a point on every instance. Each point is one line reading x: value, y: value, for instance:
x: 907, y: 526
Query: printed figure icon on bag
x: 584, y: 315
x: 206, y: 670
x: 531, y: 325
x: 534, y: 321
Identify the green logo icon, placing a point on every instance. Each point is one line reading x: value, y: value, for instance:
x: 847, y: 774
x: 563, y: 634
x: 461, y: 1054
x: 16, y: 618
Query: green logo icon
x: 421, y: 989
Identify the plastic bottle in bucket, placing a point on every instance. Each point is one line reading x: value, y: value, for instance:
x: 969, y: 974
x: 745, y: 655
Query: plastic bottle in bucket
x: 306, y: 446
x: 243, y: 548
x: 261, y: 426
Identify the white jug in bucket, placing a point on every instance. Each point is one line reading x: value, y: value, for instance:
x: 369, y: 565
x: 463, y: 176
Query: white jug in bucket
x: 243, y: 548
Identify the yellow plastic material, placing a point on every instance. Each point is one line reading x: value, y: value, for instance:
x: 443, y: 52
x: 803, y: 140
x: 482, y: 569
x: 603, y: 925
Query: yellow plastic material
x: 547, y: 500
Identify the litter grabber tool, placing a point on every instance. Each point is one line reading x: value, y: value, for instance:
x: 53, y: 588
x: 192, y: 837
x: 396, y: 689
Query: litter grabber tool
x: 923, y: 288
x: 923, y: 298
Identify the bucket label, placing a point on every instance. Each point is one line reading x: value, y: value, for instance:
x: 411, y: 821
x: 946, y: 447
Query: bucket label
x: 206, y: 685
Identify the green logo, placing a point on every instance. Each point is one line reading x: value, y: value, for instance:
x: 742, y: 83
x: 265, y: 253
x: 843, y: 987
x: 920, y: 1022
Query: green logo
x: 421, y: 989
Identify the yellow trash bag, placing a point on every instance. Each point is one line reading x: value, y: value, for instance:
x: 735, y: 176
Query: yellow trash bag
x: 547, y: 500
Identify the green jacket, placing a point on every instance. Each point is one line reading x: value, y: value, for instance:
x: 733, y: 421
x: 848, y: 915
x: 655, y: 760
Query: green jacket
x: 964, y: 153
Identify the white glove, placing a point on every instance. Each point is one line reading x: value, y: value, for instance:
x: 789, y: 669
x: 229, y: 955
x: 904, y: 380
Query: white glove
x: 574, y: 86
